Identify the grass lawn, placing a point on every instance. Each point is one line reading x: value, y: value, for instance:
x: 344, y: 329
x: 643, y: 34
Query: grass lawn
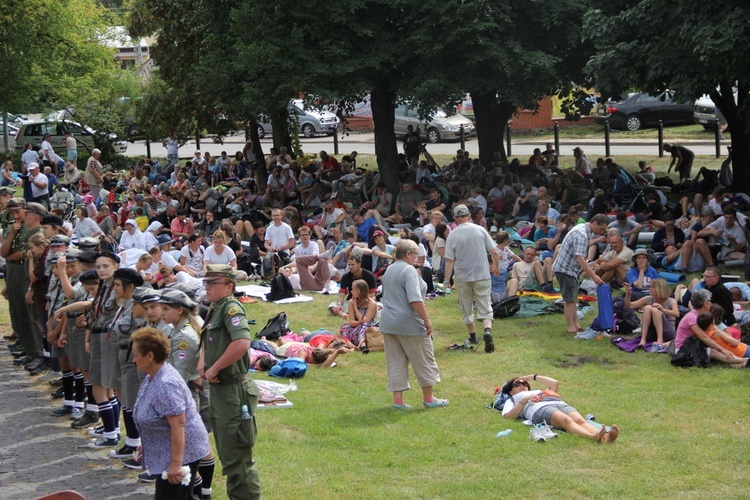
x: 343, y: 440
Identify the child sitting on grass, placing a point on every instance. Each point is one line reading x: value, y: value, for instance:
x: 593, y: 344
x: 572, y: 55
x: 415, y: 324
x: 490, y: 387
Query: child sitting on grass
x: 707, y: 323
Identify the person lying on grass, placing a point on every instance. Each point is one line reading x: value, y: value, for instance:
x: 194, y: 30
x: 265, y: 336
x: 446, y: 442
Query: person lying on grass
x: 546, y: 406
x: 314, y: 356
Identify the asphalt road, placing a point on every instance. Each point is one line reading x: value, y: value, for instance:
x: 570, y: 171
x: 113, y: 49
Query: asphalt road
x: 365, y: 143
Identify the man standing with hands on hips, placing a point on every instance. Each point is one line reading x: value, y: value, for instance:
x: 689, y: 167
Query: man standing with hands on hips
x: 466, y: 248
x: 571, y: 261
x: 224, y: 362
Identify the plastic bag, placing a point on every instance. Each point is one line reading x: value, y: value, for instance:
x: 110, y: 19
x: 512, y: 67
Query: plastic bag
x: 270, y: 390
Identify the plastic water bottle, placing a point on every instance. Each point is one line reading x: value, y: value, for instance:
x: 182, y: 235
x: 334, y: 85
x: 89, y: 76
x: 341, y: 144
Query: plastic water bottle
x: 590, y: 416
x: 322, y: 330
x: 504, y: 433
x: 448, y: 290
x: 303, y: 332
x: 245, y: 413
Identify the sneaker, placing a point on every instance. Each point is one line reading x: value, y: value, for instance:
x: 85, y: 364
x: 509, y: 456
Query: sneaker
x: 56, y: 383
x: 88, y: 418
x: 124, y: 452
x: 49, y: 376
x: 76, y: 413
x: 103, y: 443
x: 146, y: 477
x: 471, y: 341
x: 96, y: 431
x: 489, y: 344
x: 435, y: 403
x: 537, y: 434
x: 62, y: 411
x: 326, y: 254
x: 547, y: 432
x: 59, y: 393
x: 549, y: 288
x: 133, y: 463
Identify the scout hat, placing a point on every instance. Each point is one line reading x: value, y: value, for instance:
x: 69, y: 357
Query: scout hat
x: 88, y: 243
x: 128, y: 275
x: 15, y: 203
x: 6, y: 190
x: 52, y: 220
x: 59, y: 239
x: 89, y: 277
x: 144, y: 294
x: 216, y: 272
x: 178, y: 298
x: 188, y: 289
x: 36, y: 208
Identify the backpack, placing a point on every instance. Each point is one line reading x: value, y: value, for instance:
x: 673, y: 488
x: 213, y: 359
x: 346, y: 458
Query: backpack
x: 506, y: 307
x: 725, y: 174
x: 692, y: 353
x: 275, y: 328
x: 289, y: 368
x: 281, y: 288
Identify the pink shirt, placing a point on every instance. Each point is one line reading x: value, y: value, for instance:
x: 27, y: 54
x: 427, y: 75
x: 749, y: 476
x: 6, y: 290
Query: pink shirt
x: 684, y: 330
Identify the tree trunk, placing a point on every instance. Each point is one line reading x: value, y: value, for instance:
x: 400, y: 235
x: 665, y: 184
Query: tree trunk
x: 738, y: 129
x: 383, y: 103
x: 281, y: 128
x: 491, y: 118
x: 260, y: 158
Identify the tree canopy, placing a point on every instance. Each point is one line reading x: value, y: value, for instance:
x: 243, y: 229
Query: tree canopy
x: 694, y: 48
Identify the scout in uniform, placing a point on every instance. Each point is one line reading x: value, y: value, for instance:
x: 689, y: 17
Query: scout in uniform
x: 32, y: 224
x: 224, y: 363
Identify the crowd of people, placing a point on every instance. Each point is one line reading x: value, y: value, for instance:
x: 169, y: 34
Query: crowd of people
x: 116, y: 313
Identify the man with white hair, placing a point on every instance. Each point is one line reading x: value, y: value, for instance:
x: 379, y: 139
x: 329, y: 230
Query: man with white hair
x: 39, y: 183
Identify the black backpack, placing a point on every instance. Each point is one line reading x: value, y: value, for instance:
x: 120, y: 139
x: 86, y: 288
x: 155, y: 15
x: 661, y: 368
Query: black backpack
x: 506, y: 307
x: 281, y: 288
x: 275, y: 328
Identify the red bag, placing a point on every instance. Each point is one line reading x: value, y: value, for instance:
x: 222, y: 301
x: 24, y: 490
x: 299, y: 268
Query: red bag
x: 83, y: 188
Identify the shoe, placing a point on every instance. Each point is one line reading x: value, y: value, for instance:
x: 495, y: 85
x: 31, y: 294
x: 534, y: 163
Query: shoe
x: 103, y: 443
x: 471, y: 340
x: 76, y: 413
x: 435, y: 403
x: 23, y: 360
x: 16, y: 346
x: 548, y: 288
x: 12, y: 337
x: 133, y: 463
x: 547, y: 432
x: 88, y: 418
x: 124, y: 452
x: 401, y: 406
x: 43, y: 368
x: 49, y: 376
x: 537, y: 434
x: 146, y: 477
x: 325, y: 255
x: 56, y: 383
x: 97, y: 431
x: 489, y: 344
x: 62, y: 411
x: 36, y: 363
x: 59, y: 393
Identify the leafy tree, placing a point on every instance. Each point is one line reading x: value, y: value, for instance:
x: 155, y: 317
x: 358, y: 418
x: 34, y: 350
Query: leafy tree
x: 694, y: 48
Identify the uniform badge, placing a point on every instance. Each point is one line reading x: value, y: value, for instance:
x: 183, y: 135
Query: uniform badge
x: 236, y: 321
x: 182, y: 345
x: 233, y: 310
x: 210, y: 338
x: 181, y: 355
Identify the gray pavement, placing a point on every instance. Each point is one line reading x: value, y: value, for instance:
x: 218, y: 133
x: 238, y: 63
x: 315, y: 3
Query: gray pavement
x: 40, y: 454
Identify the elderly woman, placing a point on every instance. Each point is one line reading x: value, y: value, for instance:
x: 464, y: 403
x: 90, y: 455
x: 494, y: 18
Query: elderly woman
x: 93, y: 175
x: 660, y: 312
x: 132, y: 237
x: 546, y: 407
x: 164, y: 408
x: 407, y: 329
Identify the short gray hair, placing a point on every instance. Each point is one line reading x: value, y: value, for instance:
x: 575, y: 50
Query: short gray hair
x: 95, y: 152
x: 405, y: 246
x: 700, y: 298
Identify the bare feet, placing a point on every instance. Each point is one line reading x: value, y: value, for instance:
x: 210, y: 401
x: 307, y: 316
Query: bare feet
x: 600, y: 437
x: 612, y: 435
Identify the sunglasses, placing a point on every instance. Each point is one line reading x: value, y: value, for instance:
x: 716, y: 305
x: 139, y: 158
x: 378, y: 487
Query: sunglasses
x: 519, y: 383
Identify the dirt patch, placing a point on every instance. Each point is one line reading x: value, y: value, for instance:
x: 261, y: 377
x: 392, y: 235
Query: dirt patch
x: 577, y: 361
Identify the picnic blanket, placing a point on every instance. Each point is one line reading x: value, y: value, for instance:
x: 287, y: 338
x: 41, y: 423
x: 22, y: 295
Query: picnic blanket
x: 260, y: 292
x: 554, y: 296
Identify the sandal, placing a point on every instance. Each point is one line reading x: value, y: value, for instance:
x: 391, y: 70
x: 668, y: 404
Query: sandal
x: 401, y: 406
x: 435, y: 403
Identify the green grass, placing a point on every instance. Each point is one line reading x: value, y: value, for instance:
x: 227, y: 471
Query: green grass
x: 342, y: 439
x: 593, y: 131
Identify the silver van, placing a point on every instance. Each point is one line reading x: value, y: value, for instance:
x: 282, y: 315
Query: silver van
x: 310, y: 122
x: 441, y: 127
x: 33, y: 132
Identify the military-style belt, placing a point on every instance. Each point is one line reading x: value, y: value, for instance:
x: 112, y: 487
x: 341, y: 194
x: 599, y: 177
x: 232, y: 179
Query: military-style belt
x: 99, y: 330
x: 17, y: 262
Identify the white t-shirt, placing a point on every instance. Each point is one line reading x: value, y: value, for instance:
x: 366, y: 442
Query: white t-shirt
x: 86, y: 228
x: 330, y: 218
x: 70, y: 143
x: 736, y: 231
x: 530, y: 408
x: 194, y: 262
x: 37, y: 191
x: 714, y: 205
x: 481, y: 202
x: 279, y: 236
x: 46, y: 146
x: 226, y: 257
x: 311, y: 249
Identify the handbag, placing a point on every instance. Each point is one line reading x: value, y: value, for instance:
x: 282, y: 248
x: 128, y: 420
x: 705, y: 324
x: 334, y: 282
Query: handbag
x: 692, y: 353
x: 374, y: 339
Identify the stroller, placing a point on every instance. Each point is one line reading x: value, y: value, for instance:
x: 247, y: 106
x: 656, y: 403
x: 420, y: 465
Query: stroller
x: 64, y: 200
x: 627, y: 193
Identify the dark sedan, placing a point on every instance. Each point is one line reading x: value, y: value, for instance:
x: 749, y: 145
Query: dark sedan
x: 643, y: 110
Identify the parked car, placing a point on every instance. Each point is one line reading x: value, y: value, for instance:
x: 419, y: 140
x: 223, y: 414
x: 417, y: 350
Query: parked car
x: 33, y: 132
x: 12, y: 130
x: 440, y: 127
x: 642, y: 110
x: 704, y: 111
x: 310, y: 122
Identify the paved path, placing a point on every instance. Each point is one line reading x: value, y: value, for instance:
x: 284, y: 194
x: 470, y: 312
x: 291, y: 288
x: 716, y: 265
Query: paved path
x: 40, y: 454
